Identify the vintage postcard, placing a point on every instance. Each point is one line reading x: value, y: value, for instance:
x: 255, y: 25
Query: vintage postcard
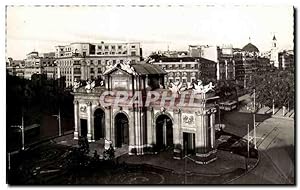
x: 150, y: 94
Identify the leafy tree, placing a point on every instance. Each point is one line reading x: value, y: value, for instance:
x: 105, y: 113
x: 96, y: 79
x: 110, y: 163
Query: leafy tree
x: 226, y: 90
x: 277, y: 85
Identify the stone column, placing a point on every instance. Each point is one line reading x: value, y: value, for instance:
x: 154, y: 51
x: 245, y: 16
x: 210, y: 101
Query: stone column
x: 165, y: 132
x: 89, y: 122
x: 149, y: 127
x: 199, y: 141
x: 226, y: 70
x: 58, y: 70
x: 154, y: 129
x: 138, y: 131
x: 72, y: 75
x: 204, y: 154
x: 176, y: 135
x: 131, y: 131
x: 82, y: 75
x: 107, y: 124
x: 76, y: 119
x: 113, y: 126
x: 205, y: 133
x: 212, y: 130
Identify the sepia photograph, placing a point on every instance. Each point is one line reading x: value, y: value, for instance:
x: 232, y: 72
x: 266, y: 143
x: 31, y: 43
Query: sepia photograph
x: 150, y: 94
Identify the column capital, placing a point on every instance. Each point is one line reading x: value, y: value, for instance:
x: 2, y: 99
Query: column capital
x: 75, y: 102
x: 177, y: 110
x: 89, y: 103
x: 198, y: 112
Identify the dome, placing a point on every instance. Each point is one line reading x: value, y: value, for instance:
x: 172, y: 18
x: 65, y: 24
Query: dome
x: 250, y: 48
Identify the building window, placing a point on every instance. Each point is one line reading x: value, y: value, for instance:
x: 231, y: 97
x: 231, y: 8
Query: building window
x: 100, y: 47
x: 92, y: 70
x: 121, y: 60
x: 133, y: 53
x: 106, y: 47
x: 133, y: 47
x: 119, y: 47
x: 114, y: 61
x: 113, y: 47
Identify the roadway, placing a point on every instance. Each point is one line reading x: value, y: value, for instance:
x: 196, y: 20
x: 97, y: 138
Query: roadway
x: 275, y: 142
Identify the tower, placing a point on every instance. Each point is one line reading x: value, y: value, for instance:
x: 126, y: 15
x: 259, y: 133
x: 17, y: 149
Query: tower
x: 274, y: 42
x: 274, y: 53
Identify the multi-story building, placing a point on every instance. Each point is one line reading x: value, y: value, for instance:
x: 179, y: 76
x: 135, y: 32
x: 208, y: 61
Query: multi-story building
x: 83, y: 61
x: 43, y: 63
x: 49, y: 65
x: 223, y: 56
x: 225, y: 63
x: 246, y: 60
x: 15, y: 67
x: 32, y: 65
x: 185, y: 69
x: 286, y: 59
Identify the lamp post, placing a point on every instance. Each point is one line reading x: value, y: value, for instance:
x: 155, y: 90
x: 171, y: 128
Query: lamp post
x: 59, y: 122
x: 21, y: 127
x: 185, y: 157
x: 247, y: 148
x: 254, y: 124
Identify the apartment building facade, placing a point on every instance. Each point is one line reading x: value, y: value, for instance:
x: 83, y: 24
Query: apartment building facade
x: 83, y: 61
x: 185, y: 69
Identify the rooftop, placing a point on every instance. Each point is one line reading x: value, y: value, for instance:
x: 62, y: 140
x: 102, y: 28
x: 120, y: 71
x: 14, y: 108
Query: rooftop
x: 158, y: 58
x: 250, y: 48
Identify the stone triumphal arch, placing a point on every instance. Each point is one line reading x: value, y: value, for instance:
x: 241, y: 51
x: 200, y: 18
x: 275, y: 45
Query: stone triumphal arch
x: 168, y: 120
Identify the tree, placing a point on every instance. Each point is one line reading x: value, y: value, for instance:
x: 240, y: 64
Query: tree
x: 276, y: 85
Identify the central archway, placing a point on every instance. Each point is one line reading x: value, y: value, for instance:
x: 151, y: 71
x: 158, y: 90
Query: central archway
x: 164, y: 131
x: 121, y: 130
x: 99, y: 124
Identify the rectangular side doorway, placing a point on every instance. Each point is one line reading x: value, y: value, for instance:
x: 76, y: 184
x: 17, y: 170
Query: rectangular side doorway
x: 188, y: 143
x: 83, y: 127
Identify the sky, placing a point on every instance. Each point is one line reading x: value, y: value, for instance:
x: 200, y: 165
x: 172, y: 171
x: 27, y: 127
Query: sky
x: 41, y: 28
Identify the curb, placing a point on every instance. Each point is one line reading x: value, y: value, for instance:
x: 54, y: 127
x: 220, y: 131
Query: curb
x: 190, y: 172
x: 32, y: 145
x: 248, y: 171
x: 282, y: 117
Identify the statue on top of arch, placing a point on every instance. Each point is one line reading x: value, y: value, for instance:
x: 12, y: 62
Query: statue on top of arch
x: 197, y: 87
x: 76, y: 85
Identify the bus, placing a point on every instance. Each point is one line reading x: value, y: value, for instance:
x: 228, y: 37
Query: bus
x: 228, y: 105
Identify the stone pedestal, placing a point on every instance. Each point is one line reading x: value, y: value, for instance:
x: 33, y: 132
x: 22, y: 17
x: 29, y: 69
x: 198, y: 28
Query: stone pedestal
x: 177, y: 152
x: 76, y: 135
x: 206, y: 158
